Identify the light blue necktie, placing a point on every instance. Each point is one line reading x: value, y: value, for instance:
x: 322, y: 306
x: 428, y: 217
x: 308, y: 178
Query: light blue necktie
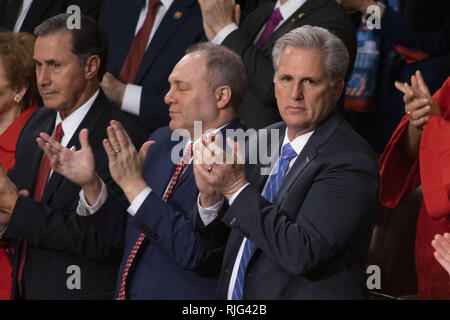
x: 287, y: 154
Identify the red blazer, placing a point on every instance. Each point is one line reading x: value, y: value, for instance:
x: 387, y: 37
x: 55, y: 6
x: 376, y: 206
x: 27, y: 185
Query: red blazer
x: 431, y: 170
x: 8, y: 140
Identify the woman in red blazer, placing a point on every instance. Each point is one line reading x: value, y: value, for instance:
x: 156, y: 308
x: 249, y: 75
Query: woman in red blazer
x: 419, y: 154
x: 18, y: 101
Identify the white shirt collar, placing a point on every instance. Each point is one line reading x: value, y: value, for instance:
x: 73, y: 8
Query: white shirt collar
x: 72, y: 122
x: 289, y: 7
x: 165, y: 3
x: 299, y: 142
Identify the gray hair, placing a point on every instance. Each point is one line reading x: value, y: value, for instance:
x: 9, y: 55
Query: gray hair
x: 309, y: 37
x: 223, y: 68
x: 87, y: 41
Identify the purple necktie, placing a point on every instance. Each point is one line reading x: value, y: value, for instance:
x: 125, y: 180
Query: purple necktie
x: 271, y: 24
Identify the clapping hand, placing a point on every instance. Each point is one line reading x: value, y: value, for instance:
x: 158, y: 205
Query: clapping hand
x: 419, y: 104
x: 442, y: 254
x: 217, y: 14
x: 217, y: 172
x: 8, y: 197
x: 125, y: 162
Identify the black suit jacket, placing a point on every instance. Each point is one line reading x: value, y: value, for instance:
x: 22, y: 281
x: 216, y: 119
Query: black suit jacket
x: 57, y: 237
x: 41, y: 10
x: 259, y: 107
x: 312, y: 241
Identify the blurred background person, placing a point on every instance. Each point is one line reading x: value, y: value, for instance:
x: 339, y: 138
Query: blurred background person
x: 25, y: 15
x: 18, y: 101
x: 419, y: 154
x: 247, y: 6
x: 414, y: 35
x: 146, y: 40
x: 255, y: 37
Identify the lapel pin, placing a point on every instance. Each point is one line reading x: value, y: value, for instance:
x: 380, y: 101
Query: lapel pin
x: 177, y: 15
x: 300, y: 15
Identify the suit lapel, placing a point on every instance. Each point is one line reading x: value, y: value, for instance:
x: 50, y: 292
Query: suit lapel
x: 256, y: 20
x: 172, y: 21
x: 89, y: 121
x: 35, y: 14
x: 307, y: 155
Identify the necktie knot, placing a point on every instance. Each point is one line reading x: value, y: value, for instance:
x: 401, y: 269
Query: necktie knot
x: 287, y: 152
x: 153, y: 5
x: 275, y: 18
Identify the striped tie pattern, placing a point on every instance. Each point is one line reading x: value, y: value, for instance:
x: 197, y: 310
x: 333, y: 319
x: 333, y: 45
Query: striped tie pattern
x: 179, y: 169
x: 287, y: 154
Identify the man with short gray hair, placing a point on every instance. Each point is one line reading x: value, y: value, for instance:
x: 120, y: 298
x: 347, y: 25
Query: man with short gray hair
x: 162, y: 259
x: 303, y: 231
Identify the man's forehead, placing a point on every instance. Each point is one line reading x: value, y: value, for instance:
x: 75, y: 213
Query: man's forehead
x: 293, y: 58
x: 52, y: 44
x: 189, y: 66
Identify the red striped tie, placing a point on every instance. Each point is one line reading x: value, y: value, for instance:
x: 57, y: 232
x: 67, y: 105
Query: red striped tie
x: 180, y: 167
x: 44, y: 171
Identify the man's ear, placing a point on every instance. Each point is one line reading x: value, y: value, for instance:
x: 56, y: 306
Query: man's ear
x: 92, y: 66
x: 223, y: 96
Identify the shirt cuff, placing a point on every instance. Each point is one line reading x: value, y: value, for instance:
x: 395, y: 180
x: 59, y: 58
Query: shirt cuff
x: 84, y: 209
x: 222, y: 34
x: 132, y: 99
x: 137, y: 202
x: 209, y: 214
x: 235, y: 195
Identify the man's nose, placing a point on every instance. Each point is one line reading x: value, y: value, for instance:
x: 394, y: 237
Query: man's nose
x: 297, y: 91
x: 43, y: 77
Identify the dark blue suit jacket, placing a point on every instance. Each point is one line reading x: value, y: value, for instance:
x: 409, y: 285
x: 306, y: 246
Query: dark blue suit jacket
x: 173, y: 36
x: 164, y: 267
x: 311, y: 242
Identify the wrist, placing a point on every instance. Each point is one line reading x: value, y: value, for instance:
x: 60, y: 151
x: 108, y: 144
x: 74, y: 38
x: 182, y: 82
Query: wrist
x: 235, y: 188
x: 208, y: 200
x: 217, y: 28
x: 133, y: 189
x: 92, y: 190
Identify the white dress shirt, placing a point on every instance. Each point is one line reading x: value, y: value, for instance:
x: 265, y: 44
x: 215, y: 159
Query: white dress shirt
x: 132, y: 96
x: 287, y: 9
x: 297, y: 144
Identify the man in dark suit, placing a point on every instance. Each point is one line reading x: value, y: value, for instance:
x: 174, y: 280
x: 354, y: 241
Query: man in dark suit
x: 255, y: 38
x: 301, y: 229
x: 177, y: 25
x: 19, y: 15
x: 162, y: 258
x: 58, y: 255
